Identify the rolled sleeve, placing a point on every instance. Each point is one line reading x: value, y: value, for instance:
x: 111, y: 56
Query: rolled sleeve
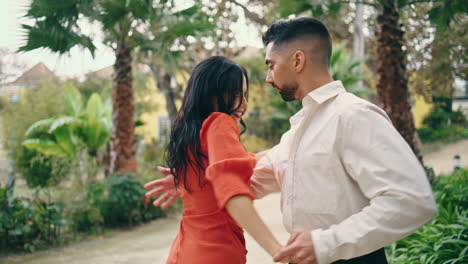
x: 230, y: 178
x: 230, y: 166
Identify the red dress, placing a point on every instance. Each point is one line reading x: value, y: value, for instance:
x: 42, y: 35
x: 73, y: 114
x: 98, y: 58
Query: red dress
x: 207, y: 234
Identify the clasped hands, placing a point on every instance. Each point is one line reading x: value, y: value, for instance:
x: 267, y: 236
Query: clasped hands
x: 298, y: 250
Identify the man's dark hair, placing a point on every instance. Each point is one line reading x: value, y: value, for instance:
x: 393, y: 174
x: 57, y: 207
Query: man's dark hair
x: 286, y: 31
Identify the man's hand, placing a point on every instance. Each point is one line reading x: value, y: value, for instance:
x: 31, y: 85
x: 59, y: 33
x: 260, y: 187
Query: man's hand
x: 165, y: 186
x: 299, y: 249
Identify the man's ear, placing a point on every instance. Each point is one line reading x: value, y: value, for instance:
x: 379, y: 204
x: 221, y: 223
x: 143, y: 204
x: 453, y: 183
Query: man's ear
x: 299, y: 60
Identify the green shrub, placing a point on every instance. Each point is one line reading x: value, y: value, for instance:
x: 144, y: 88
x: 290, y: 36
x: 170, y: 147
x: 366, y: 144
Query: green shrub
x: 86, y: 218
x: 40, y: 170
x: 123, y: 201
x: 437, y: 118
x: 445, y: 238
x: 116, y: 201
x: 444, y: 126
x: 445, y: 134
x: 452, y: 190
x: 27, y: 224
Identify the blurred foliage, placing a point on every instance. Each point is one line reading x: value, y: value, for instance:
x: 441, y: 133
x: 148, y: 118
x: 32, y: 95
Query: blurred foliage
x: 445, y: 238
x: 77, y: 135
x: 95, y: 208
x: 37, y: 103
x: 93, y: 83
x: 44, y: 220
x: 81, y: 126
x: 40, y: 170
x: 28, y: 224
x: 444, y: 126
x: 435, y: 56
x: 254, y: 143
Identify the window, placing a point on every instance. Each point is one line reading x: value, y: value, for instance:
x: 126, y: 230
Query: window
x: 13, y: 97
x: 164, y: 129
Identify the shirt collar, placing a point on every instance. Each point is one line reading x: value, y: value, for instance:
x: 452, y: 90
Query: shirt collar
x: 323, y: 93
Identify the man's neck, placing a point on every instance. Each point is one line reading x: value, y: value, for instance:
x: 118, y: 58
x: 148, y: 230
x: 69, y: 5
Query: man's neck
x: 312, y: 82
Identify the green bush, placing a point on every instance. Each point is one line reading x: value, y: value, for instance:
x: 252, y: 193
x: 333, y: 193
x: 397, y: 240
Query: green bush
x: 28, y: 224
x: 86, y: 218
x: 452, y: 190
x: 445, y: 134
x: 443, y: 126
x: 114, y: 202
x: 445, y: 238
x: 40, y: 170
x: 437, y: 118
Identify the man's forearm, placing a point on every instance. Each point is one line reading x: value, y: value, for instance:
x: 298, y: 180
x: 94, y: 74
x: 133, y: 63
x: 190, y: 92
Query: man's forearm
x: 389, y: 218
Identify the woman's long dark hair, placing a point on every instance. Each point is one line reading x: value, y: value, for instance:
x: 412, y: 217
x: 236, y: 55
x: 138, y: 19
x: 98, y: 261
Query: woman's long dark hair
x: 214, y: 85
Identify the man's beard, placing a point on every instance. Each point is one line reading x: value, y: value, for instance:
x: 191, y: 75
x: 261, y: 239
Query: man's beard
x: 287, y: 92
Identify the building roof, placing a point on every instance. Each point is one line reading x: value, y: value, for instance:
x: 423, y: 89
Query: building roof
x: 35, y: 75
x: 105, y: 73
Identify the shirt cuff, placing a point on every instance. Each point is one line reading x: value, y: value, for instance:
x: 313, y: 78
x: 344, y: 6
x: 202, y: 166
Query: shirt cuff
x: 323, y: 245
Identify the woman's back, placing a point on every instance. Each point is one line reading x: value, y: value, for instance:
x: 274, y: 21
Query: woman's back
x: 207, y: 233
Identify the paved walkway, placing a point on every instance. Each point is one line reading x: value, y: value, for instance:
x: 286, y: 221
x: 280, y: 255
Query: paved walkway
x: 150, y: 243
x: 442, y: 160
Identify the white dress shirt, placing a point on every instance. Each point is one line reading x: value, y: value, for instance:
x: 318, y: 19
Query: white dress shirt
x: 345, y: 173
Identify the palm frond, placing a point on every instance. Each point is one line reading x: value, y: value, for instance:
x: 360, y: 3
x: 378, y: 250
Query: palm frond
x: 62, y: 121
x: 44, y: 146
x: 73, y: 100
x: 41, y: 125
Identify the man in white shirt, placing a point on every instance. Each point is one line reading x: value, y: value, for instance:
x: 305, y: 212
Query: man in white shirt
x: 349, y: 183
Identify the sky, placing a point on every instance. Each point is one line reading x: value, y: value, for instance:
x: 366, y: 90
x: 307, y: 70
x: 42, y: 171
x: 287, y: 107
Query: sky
x: 79, y: 61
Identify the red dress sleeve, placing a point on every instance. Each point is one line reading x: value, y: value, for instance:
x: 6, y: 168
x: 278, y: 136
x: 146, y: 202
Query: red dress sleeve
x: 229, y: 165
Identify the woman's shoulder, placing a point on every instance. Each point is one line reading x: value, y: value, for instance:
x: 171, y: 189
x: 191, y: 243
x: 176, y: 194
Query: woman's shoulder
x: 218, y: 120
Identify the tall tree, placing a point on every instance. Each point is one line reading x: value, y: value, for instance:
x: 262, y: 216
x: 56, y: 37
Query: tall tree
x: 166, y: 49
x: 391, y: 60
x: 57, y: 27
x: 392, y: 87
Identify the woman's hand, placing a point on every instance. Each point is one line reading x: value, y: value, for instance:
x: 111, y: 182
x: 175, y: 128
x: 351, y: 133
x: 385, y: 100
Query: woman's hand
x: 165, y: 186
x: 276, y: 251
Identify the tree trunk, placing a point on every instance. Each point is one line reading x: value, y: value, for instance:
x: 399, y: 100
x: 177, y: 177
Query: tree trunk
x: 122, y: 155
x: 163, y: 81
x: 392, y: 87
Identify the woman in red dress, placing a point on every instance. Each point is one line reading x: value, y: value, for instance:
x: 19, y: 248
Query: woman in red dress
x: 212, y: 169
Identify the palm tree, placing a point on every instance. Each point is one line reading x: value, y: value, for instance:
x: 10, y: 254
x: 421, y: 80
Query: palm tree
x: 165, y: 49
x: 56, y: 27
x: 392, y: 86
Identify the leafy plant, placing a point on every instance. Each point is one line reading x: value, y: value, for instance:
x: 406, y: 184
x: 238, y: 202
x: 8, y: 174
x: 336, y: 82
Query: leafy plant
x: 78, y: 135
x: 445, y: 126
x: 445, y: 238
x: 117, y: 201
x: 28, y: 224
x: 87, y: 127
x: 40, y: 170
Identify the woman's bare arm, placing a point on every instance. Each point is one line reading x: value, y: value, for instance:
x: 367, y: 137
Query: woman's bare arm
x: 241, y: 208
